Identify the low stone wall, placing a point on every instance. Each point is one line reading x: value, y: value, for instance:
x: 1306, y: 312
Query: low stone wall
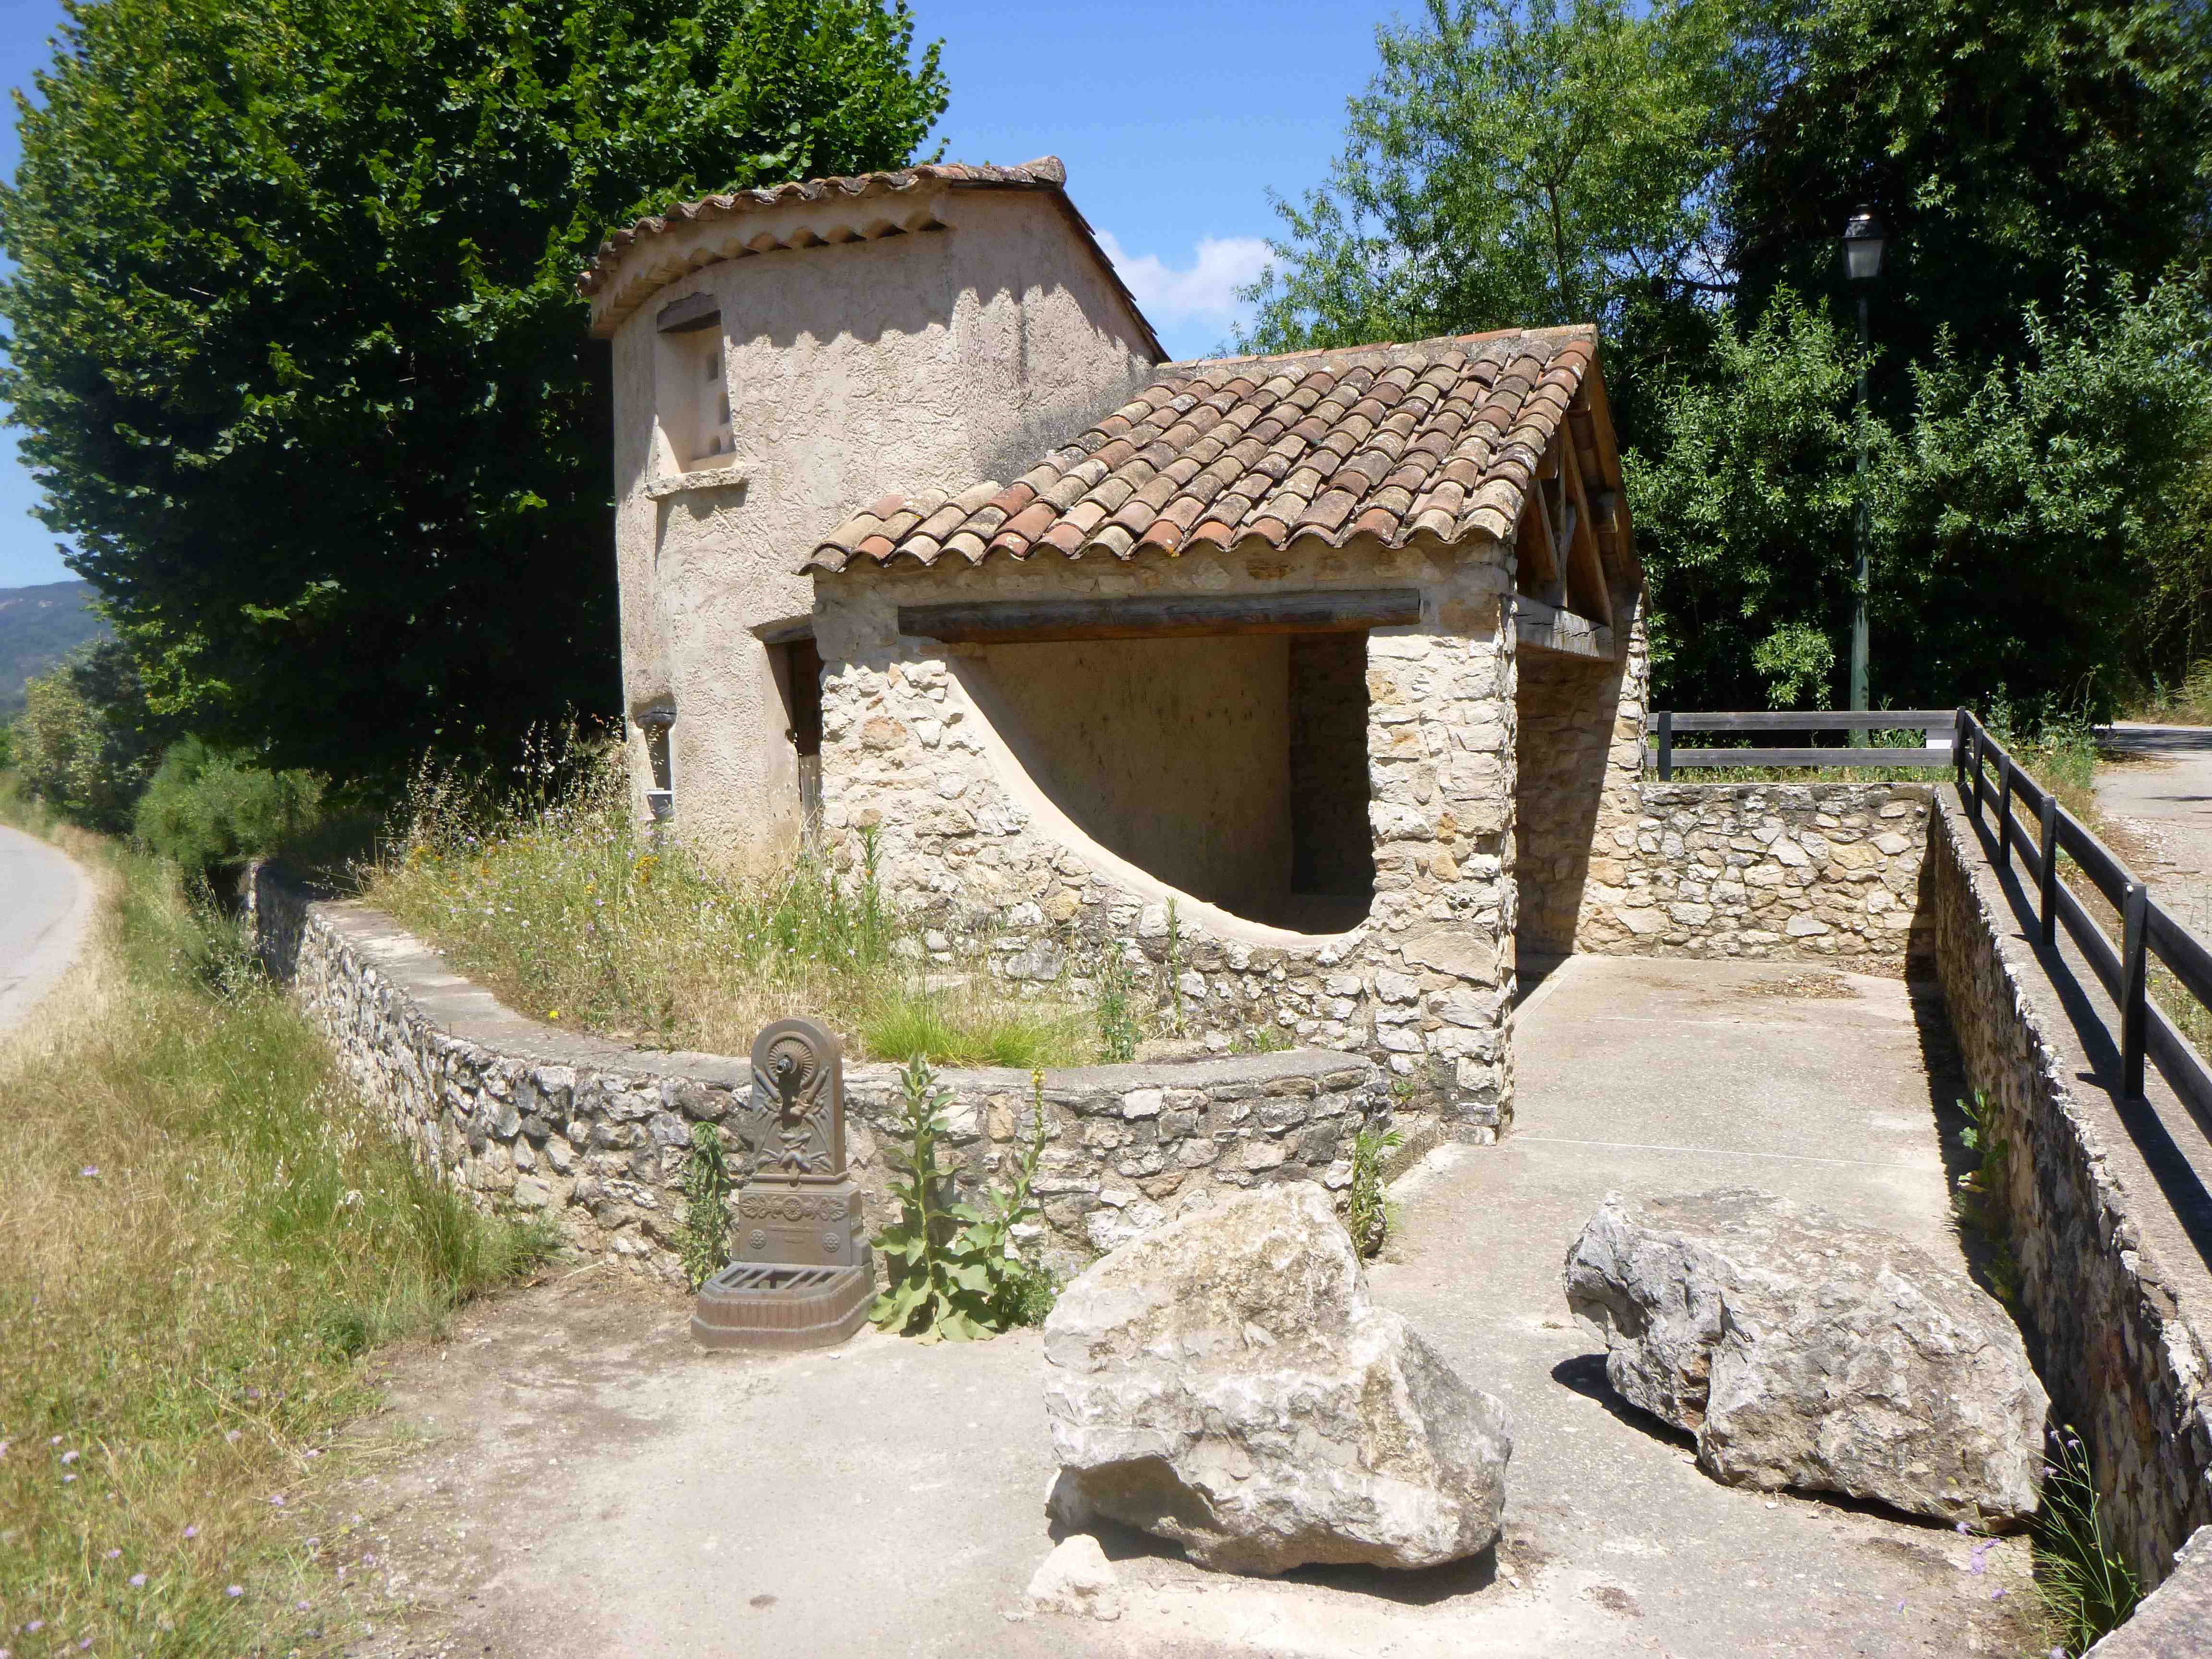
x: 525, y: 1116
x: 1820, y: 872
x: 2102, y: 1306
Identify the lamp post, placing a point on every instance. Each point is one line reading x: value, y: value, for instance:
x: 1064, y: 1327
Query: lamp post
x: 1865, y: 236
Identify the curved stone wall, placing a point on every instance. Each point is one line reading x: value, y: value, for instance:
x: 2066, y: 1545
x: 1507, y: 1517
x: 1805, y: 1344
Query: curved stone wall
x: 528, y: 1117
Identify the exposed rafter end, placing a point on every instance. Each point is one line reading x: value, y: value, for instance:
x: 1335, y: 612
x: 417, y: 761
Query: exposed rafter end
x: 1540, y: 627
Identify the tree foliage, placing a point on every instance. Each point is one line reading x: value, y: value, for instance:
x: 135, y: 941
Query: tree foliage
x: 296, y: 348
x: 1679, y: 174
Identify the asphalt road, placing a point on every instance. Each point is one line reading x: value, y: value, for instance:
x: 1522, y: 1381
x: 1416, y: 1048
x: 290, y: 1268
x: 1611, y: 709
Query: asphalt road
x: 2163, y: 794
x: 45, y: 903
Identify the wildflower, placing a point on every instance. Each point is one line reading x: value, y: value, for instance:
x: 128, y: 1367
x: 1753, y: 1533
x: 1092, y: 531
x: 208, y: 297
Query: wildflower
x: 300, y: 1606
x: 235, y: 1590
x: 112, y: 1555
x: 69, y: 1457
x: 137, y: 1581
x: 278, y: 1500
x: 369, y: 1560
x: 232, y: 1436
x: 192, y: 1531
x: 34, y: 1626
x: 1997, y: 1596
x: 89, y: 1171
x: 67, y: 1478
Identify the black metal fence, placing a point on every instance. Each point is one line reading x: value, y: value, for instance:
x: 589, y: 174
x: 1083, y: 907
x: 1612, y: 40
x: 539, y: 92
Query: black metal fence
x: 1936, y: 725
x: 2147, y: 929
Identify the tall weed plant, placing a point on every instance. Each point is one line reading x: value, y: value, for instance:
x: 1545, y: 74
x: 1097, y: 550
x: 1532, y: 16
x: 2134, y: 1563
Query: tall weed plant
x: 203, y: 1227
x: 542, y: 885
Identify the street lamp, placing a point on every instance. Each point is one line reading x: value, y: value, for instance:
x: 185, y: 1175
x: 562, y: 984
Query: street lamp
x: 1865, y: 238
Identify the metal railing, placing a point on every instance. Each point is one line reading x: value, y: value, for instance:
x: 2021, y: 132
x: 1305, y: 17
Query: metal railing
x: 1935, y: 723
x: 2147, y: 928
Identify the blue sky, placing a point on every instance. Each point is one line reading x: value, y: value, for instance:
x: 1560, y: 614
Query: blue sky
x: 1175, y: 119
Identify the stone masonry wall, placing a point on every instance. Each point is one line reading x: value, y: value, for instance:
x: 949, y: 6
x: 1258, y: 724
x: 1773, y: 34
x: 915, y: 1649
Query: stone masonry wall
x: 1815, y: 871
x: 1579, y: 747
x: 524, y: 1117
x: 966, y: 840
x: 2104, y: 1313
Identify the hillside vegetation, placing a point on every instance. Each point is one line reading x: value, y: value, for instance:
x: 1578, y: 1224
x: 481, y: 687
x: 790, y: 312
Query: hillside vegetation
x: 39, y: 627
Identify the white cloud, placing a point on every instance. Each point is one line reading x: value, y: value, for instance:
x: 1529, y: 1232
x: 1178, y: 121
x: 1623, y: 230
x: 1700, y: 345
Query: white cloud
x: 1205, y: 289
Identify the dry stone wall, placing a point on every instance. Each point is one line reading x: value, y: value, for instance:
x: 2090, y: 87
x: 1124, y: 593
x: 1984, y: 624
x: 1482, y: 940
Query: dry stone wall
x: 1819, y: 871
x: 965, y: 841
x: 527, y: 1118
x: 2107, y: 1316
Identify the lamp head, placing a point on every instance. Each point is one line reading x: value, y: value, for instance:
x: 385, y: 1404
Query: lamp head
x: 1865, y: 238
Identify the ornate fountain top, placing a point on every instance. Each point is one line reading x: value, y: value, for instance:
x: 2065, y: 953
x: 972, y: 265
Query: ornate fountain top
x: 793, y: 1124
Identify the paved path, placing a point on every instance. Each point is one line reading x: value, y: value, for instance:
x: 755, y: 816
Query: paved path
x: 585, y: 1483
x: 2160, y: 790
x: 45, y: 904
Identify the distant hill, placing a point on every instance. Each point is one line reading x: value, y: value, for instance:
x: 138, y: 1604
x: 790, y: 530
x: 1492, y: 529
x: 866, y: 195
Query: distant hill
x: 39, y: 626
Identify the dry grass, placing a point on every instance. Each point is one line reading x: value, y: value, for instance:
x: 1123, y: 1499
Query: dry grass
x: 549, y: 896
x: 203, y: 1228
x: 2188, y: 703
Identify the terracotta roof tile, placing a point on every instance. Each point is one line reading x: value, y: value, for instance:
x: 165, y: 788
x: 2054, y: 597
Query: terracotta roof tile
x: 1438, y: 438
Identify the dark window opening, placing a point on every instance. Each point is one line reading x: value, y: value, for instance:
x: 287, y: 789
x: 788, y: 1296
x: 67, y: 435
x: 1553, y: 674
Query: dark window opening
x: 799, y: 676
x: 660, y: 798
x: 1332, y: 847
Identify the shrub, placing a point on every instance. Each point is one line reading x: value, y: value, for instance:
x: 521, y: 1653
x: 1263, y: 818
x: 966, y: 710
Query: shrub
x: 206, y: 809
x: 953, y: 1268
x: 83, y: 742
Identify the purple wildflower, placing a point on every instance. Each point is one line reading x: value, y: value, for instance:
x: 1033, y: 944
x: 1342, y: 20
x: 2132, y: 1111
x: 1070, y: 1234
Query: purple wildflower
x: 89, y: 1171
x: 137, y: 1581
x: 68, y: 1458
x: 235, y: 1590
x: 192, y: 1531
x: 112, y: 1554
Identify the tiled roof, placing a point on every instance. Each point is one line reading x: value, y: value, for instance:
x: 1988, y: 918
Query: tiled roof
x: 1441, y: 438
x: 1045, y: 171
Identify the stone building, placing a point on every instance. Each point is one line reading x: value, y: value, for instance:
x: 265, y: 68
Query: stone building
x: 1302, y: 684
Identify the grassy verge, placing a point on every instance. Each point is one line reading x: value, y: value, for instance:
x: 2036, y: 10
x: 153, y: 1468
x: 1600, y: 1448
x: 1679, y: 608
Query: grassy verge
x: 555, y: 900
x: 203, y: 1229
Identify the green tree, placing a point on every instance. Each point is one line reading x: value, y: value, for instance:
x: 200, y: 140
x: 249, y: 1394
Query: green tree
x: 1518, y: 162
x: 86, y: 741
x: 296, y: 343
x: 1679, y: 174
x: 1744, y: 504
x: 2000, y: 140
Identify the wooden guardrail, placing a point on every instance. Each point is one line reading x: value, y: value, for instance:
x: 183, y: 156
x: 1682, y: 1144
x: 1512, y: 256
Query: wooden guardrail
x: 1935, y: 723
x: 2147, y: 928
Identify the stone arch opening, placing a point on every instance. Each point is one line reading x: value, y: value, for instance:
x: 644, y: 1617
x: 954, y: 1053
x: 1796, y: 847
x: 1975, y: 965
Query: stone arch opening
x: 1232, y: 768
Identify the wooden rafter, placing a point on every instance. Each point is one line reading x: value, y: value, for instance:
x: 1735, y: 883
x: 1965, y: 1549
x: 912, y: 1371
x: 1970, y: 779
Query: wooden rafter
x: 1588, y: 591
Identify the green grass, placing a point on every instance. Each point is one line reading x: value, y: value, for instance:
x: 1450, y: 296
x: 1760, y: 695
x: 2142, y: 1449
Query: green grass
x: 551, y: 897
x: 203, y: 1229
x: 2087, y: 1590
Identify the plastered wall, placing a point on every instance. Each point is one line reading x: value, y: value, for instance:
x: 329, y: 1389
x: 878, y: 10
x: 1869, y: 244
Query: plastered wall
x: 1174, y: 753
x: 899, y: 364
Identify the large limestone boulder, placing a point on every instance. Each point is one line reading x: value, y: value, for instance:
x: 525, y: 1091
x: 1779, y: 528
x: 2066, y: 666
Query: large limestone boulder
x: 1805, y: 1352
x: 1225, y: 1382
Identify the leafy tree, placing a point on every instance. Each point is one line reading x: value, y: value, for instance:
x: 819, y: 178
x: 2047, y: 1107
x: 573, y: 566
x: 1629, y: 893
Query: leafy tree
x: 1745, y: 507
x: 296, y: 347
x: 1679, y: 174
x: 2001, y: 140
x: 1517, y: 163
x: 86, y: 741
x: 2050, y: 512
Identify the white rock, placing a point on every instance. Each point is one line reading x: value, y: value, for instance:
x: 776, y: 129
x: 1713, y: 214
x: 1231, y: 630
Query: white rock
x: 1805, y: 1352
x: 1077, y: 1579
x: 1226, y: 1381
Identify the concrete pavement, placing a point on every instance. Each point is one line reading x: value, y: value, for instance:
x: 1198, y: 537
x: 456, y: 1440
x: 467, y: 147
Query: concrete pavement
x: 569, y: 1477
x: 44, y: 904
